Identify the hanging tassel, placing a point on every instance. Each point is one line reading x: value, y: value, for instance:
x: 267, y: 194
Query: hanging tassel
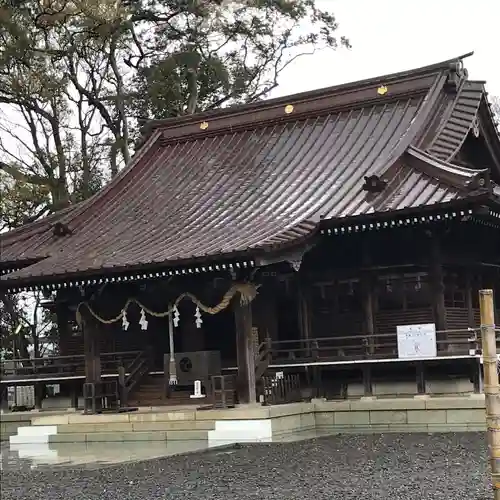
x: 171, y: 366
x: 177, y: 316
x: 125, y: 322
x: 198, y: 318
x: 143, y: 321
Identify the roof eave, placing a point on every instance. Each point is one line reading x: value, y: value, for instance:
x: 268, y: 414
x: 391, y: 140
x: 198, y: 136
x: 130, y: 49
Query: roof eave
x: 238, y: 260
x: 475, y: 200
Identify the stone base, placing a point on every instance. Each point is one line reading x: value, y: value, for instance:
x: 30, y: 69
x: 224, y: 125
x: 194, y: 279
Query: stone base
x: 254, y: 423
x: 248, y: 406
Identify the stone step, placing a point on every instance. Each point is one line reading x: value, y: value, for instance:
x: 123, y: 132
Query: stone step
x: 137, y: 426
x: 83, y: 453
x: 174, y: 415
x: 145, y: 397
x: 112, y: 436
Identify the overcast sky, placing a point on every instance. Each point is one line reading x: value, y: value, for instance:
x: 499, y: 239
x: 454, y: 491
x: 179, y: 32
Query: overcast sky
x: 394, y: 35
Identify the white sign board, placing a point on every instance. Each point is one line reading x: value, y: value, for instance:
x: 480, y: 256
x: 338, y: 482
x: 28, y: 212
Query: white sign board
x: 417, y: 341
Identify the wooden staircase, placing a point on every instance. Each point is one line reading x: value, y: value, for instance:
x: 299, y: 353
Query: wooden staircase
x: 151, y: 392
x: 144, y: 390
x: 262, y: 359
x: 131, y: 377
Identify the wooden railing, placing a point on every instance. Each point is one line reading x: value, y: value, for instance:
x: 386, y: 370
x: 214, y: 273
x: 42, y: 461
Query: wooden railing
x: 286, y: 389
x: 366, y: 347
x: 61, y: 366
x: 262, y: 358
x: 129, y: 376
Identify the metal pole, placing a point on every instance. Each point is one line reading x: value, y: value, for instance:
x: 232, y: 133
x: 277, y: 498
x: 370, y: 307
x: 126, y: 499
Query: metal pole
x: 491, y: 386
x: 172, y: 367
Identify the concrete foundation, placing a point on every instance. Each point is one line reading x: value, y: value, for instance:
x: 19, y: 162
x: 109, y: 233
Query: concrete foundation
x: 10, y: 422
x: 261, y: 424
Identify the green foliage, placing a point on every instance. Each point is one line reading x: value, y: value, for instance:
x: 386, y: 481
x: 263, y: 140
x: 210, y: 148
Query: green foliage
x: 212, y: 54
x: 21, y: 202
x: 81, y: 75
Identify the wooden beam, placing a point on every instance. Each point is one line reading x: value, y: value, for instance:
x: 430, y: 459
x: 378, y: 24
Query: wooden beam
x: 245, y: 353
x: 304, y: 312
x: 420, y: 372
x: 368, y: 297
x: 437, y: 278
x: 368, y: 310
x: 367, y: 381
x: 468, y: 297
x: 91, y: 350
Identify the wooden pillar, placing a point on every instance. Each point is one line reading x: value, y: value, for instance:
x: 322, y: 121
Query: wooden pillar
x: 245, y: 351
x: 368, y: 310
x: 437, y: 279
x: 91, y: 349
x: 74, y: 396
x: 367, y: 289
x: 304, y: 313
x: 63, y: 315
x: 39, y: 395
x: 367, y: 381
x: 420, y: 372
x: 468, y: 298
x: 313, y: 374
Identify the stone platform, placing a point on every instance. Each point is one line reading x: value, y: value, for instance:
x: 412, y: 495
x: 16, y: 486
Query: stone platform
x: 260, y: 424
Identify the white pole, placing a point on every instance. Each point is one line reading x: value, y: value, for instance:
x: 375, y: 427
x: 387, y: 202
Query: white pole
x: 171, y: 367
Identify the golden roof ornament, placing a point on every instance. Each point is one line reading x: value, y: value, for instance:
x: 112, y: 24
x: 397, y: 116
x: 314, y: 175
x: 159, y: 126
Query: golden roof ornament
x: 289, y: 109
x: 204, y: 125
x: 382, y: 90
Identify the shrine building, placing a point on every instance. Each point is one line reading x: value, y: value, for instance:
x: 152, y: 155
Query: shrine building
x: 307, y: 238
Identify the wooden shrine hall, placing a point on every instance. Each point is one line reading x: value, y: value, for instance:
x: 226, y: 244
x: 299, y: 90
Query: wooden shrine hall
x: 295, y: 237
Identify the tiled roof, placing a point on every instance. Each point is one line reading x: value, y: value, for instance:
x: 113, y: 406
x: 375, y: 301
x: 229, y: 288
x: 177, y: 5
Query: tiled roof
x: 459, y: 122
x: 252, y: 178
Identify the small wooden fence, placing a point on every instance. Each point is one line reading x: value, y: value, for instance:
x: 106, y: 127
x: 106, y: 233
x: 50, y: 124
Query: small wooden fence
x: 282, y: 390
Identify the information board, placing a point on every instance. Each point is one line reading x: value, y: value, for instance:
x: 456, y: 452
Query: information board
x: 417, y: 341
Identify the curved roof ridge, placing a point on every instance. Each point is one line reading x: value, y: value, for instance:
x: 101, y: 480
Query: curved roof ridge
x: 445, y: 164
x: 455, y: 128
x: 387, y: 79
x: 450, y: 173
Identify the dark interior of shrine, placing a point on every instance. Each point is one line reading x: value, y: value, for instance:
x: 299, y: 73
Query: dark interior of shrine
x: 408, y: 275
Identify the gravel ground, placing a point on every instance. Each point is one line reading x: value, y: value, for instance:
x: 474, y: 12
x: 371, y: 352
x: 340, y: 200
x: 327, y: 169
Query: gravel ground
x: 383, y: 467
